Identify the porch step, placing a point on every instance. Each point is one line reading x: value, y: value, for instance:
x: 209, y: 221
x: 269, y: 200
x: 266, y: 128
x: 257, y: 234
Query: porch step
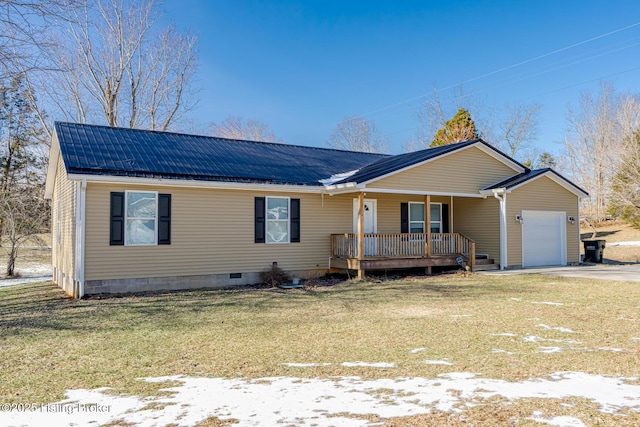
x: 484, y: 261
x: 485, y: 267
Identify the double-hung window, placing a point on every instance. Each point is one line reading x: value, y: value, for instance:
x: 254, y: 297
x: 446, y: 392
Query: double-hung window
x: 277, y: 220
x: 140, y: 222
x: 412, y: 218
x: 416, y: 217
x: 140, y: 218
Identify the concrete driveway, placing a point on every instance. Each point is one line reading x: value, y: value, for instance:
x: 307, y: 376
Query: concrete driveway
x: 615, y: 272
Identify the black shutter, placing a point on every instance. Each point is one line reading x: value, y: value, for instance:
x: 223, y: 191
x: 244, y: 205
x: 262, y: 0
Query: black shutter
x: 295, y: 220
x: 445, y: 218
x: 404, y: 217
x: 116, y: 228
x: 164, y: 219
x: 259, y: 220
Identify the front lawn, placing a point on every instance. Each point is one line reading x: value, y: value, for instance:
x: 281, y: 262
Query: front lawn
x: 510, y: 327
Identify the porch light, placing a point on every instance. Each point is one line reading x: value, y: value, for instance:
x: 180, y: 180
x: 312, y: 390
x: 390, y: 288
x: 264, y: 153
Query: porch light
x: 571, y: 219
x: 519, y: 218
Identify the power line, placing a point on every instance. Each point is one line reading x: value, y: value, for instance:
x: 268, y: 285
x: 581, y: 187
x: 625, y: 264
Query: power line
x: 518, y: 64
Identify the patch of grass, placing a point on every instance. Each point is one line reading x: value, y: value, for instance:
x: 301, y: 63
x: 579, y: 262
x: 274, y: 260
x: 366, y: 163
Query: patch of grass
x: 51, y: 343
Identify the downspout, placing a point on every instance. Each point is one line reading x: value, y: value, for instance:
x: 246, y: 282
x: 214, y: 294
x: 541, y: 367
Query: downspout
x: 503, y: 229
x: 81, y: 189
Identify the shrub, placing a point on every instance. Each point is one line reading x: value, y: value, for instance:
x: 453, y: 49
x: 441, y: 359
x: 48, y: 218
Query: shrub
x: 274, y: 276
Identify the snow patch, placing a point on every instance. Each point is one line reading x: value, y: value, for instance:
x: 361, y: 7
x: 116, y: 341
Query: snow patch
x: 563, y: 421
x: 438, y: 362
x: 499, y: 351
x: 538, y: 302
x: 315, y: 401
x: 612, y: 349
x: 418, y: 350
x: 337, y: 177
x: 556, y: 328
x: 462, y: 315
x: 369, y: 365
x: 506, y: 334
x: 550, y: 350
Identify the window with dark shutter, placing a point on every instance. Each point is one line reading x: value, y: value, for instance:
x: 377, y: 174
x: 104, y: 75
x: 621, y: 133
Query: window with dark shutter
x: 445, y: 218
x: 295, y: 220
x: 259, y: 219
x: 116, y: 229
x: 404, y: 217
x: 164, y: 219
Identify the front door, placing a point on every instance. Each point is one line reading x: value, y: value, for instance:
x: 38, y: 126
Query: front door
x: 370, y: 225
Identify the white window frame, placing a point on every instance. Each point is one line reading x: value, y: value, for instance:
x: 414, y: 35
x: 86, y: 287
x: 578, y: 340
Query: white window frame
x: 436, y: 222
x: 267, y: 220
x: 126, y: 219
x: 416, y: 222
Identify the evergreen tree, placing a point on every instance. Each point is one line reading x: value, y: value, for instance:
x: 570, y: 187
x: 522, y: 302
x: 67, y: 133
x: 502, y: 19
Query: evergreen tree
x: 460, y: 128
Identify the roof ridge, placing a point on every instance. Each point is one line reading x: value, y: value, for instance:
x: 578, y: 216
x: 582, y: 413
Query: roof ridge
x: 218, y: 137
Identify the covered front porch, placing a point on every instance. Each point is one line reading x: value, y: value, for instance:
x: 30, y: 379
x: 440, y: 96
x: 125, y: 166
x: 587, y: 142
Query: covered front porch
x: 373, y: 251
x: 427, y: 235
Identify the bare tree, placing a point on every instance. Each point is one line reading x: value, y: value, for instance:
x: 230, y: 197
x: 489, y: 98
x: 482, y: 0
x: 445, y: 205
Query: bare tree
x: 24, y: 215
x: 433, y: 115
x: 519, y: 128
x: 24, y: 36
x: 595, y: 142
x: 116, y: 68
x: 235, y: 127
x: 357, y: 134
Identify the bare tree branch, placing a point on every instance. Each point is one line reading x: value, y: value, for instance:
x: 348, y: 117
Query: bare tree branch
x: 357, y: 134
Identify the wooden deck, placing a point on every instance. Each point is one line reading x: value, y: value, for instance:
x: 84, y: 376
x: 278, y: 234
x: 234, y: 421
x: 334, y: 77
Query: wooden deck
x: 407, y: 250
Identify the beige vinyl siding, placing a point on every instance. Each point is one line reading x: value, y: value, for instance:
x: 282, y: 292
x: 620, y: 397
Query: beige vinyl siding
x: 463, y: 172
x: 63, y: 243
x: 389, y: 209
x: 479, y: 219
x: 212, y: 232
x: 542, y: 194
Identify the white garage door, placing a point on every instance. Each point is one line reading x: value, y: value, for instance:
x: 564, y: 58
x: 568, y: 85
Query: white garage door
x: 544, y: 240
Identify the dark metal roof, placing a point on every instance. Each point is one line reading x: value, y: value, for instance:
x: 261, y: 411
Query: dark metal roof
x: 527, y: 176
x: 102, y: 150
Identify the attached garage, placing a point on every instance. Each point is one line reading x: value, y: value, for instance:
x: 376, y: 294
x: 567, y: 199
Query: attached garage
x: 539, y: 219
x: 544, y: 238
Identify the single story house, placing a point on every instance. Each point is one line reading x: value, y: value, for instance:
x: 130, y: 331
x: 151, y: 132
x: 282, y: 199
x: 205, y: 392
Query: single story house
x: 137, y: 210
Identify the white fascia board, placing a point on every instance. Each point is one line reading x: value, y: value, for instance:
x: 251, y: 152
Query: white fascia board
x: 108, y: 179
x: 507, y: 161
x: 52, y: 167
x: 486, y: 193
x: 561, y: 182
x: 421, y: 193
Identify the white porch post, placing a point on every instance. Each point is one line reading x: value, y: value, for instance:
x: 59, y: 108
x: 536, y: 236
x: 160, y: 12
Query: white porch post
x: 503, y: 228
x: 360, y: 233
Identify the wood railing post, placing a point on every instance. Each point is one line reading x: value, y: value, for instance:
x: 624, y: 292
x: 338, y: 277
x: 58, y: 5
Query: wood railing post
x: 472, y: 254
x: 427, y: 224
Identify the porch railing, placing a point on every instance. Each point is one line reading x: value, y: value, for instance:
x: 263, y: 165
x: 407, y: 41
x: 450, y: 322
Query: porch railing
x: 403, y: 245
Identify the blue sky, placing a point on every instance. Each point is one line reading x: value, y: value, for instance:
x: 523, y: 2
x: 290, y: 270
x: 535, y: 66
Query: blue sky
x: 303, y: 66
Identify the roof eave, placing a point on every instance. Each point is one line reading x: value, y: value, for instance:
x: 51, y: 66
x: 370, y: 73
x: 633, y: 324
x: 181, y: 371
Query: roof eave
x: 52, y: 167
x: 226, y: 185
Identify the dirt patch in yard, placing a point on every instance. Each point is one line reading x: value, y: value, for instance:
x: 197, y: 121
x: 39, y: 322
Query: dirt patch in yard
x: 615, y: 232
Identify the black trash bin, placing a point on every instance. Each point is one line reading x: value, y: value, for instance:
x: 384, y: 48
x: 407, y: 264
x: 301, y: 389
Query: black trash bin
x: 593, y: 250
